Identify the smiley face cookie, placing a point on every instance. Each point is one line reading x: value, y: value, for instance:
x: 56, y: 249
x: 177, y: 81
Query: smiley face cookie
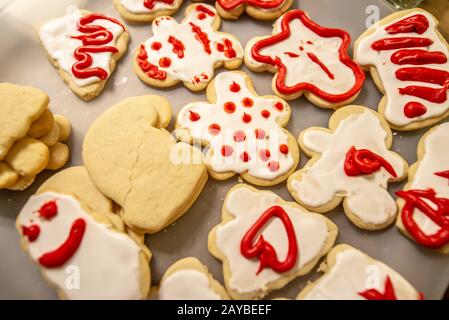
x: 350, y: 274
x: 75, y: 245
x: 244, y: 131
x: 259, y: 9
x: 134, y: 161
x: 408, y: 60
x: 29, y: 136
x: 146, y: 10
x: 84, y: 47
x: 424, y: 202
x: 188, y: 51
x: 307, y: 59
x: 265, y: 242
x: 350, y: 162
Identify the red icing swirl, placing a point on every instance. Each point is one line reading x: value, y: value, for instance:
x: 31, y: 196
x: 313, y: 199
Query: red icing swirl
x: 150, y: 4
x: 364, y: 161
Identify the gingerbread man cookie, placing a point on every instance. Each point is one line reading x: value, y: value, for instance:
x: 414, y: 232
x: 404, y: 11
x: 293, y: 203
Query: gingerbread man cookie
x: 408, y: 60
x: 84, y: 46
x: 350, y: 274
x: 244, y: 131
x: 350, y: 162
x: 75, y: 245
x: 30, y: 136
x: 134, y: 161
x: 146, y: 10
x: 188, y: 51
x: 259, y: 9
x: 424, y: 202
x: 265, y: 242
x: 307, y: 59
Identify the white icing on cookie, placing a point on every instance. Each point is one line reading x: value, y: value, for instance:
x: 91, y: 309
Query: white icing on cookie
x: 137, y: 6
x: 232, y: 123
x: 247, y: 206
x: 187, y: 284
x: 352, y: 273
x: 381, y: 60
x: 106, y: 261
x: 366, y: 195
x: 57, y: 38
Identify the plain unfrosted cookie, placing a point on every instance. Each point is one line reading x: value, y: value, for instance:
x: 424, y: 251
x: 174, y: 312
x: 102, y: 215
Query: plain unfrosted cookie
x: 350, y: 162
x: 244, y: 131
x: 28, y: 157
x: 134, y: 161
x: 187, y: 52
x: 408, y: 60
x: 41, y: 126
x: 189, y: 279
x: 142, y: 11
x: 307, y: 59
x: 65, y: 128
x: 350, y: 274
x: 265, y: 242
x: 424, y: 202
x: 259, y: 9
x: 84, y: 47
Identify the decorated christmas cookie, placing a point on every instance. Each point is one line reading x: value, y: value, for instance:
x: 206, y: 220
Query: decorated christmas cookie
x: 350, y: 274
x: 30, y: 136
x: 424, y: 202
x: 84, y: 46
x: 188, y: 51
x: 307, y: 59
x: 75, y: 245
x: 259, y: 9
x: 189, y: 279
x: 350, y: 162
x: 265, y: 242
x: 146, y: 10
x: 134, y: 161
x: 408, y: 60
x: 244, y: 131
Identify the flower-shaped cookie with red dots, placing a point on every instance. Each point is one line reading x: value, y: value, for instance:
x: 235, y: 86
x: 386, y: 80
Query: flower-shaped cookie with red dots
x: 243, y: 131
x: 259, y: 9
x: 308, y: 59
x: 188, y: 51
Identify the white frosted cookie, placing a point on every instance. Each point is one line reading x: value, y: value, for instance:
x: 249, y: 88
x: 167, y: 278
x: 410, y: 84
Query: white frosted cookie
x: 142, y: 11
x: 350, y: 163
x: 350, y: 274
x: 307, y: 59
x: 188, y: 51
x: 265, y: 242
x: 134, y: 161
x: 258, y: 9
x: 424, y: 202
x: 244, y: 131
x: 408, y: 60
x: 84, y: 46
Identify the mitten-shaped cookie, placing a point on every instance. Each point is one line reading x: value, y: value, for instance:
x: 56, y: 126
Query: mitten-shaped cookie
x: 146, y: 10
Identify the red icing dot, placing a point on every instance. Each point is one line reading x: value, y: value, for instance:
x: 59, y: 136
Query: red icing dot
x: 260, y: 134
x: 265, y: 113
x: 283, y: 148
x: 229, y: 107
x: 247, y: 102
x: 48, y: 210
x: 226, y: 151
x: 414, y: 109
x: 239, y: 136
x: 279, y: 106
x: 234, y: 87
x: 301, y: 48
x: 273, y: 166
x: 214, y: 129
x: 309, y: 42
x: 194, y: 116
x: 165, y: 62
x: 156, y: 45
x: 264, y: 154
x: 246, y: 117
x: 202, y: 16
x: 244, y: 157
x: 31, y: 232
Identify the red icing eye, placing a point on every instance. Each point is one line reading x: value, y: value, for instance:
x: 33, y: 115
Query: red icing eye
x: 226, y: 151
x: 156, y: 45
x: 229, y: 107
x: 301, y: 48
x: 246, y: 117
x: 260, y: 134
x: 265, y: 113
x: 283, y: 148
x: 234, y: 87
x: 214, y: 129
x: 264, y: 154
x: 48, y: 210
x: 279, y: 106
x: 194, y: 116
x: 244, y: 157
x: 273, y: 166
x: 247, y: 102
x: 239, y: 136
x: 164, y: 62
x: 31, y: 232
x: 202, y: 16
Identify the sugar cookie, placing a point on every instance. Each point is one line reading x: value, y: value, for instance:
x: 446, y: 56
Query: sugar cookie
x: 259, y: 9
x: 142, y: 11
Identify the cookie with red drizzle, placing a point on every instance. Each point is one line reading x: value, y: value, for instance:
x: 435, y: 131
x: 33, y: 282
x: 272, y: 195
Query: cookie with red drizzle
x: 145, y: 11
x: 259, y: 9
